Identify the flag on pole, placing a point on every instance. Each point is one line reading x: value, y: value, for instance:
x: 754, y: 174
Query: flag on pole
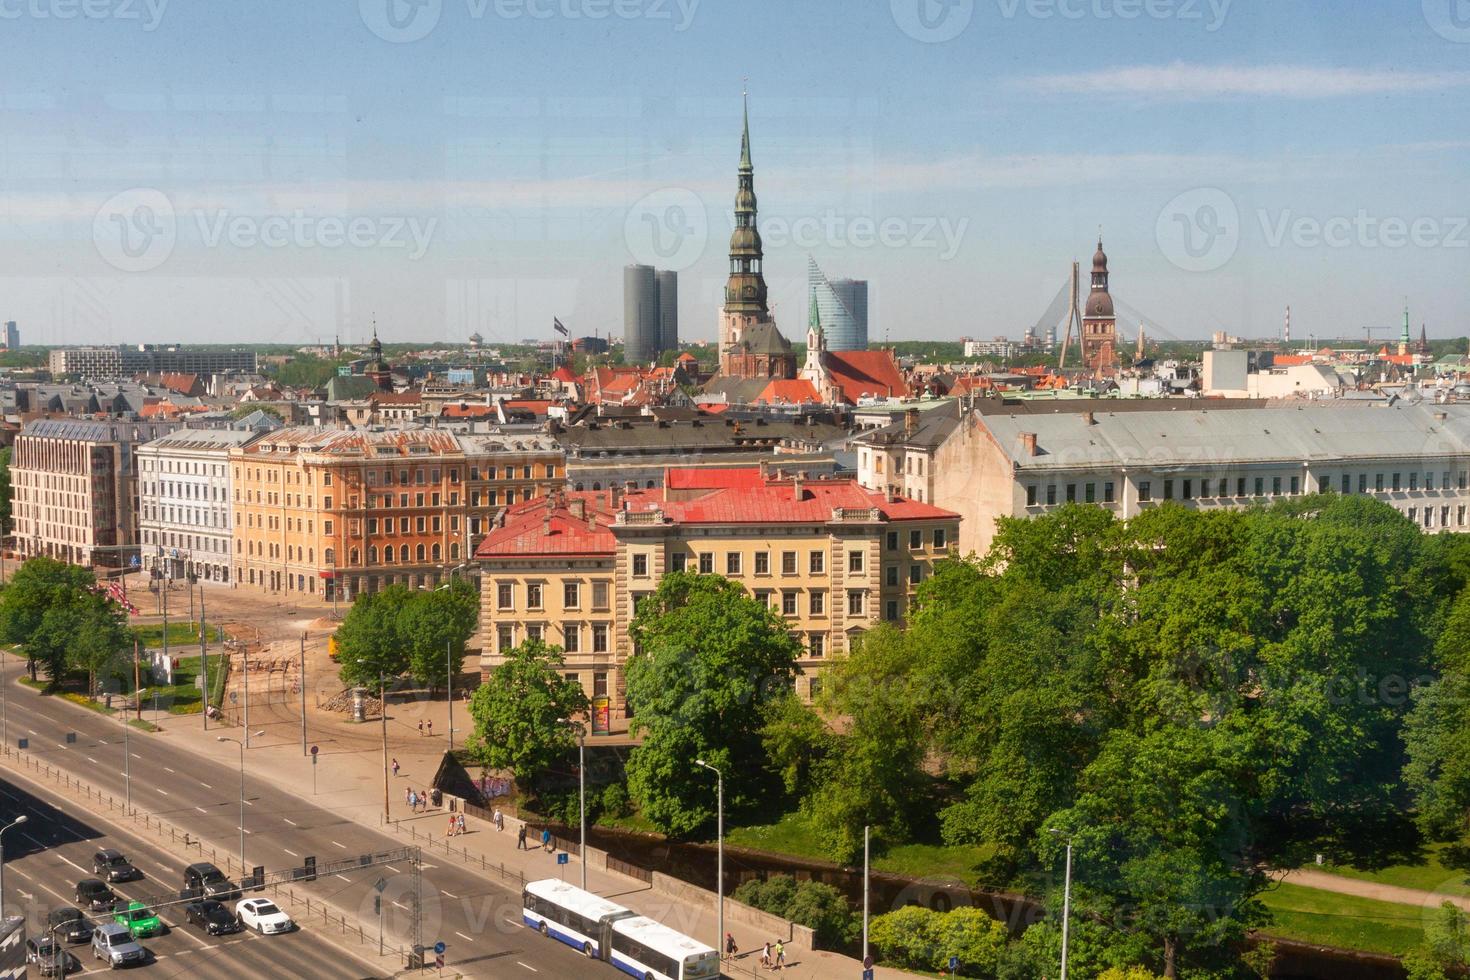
x: 557, y: 326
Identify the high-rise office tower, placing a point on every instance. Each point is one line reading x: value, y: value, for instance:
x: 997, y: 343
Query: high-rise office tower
x: 12, y: 335
x: 667, y: 282
x: 640, y: 314
x: 843, y: 307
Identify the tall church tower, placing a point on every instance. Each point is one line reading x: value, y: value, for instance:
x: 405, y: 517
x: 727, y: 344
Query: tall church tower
x: 1099, y: 325
x: 745, y: 290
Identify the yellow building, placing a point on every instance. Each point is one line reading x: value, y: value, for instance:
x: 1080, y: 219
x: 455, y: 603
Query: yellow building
x: 827, y: 555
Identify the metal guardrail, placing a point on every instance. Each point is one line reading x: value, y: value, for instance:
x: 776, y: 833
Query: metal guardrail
x: 508, y: 875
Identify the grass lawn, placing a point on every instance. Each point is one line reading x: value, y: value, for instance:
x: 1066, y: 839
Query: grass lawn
x: 792, y: 834
x: 1312, y: 915
x: 183, y: 696
x: 1430, y: 875
x: 179, y: 634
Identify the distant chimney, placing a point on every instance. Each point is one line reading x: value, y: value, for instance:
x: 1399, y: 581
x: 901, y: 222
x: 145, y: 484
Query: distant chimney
x: 578, y: 508
x: 765, y: 471
x: 1088, y: 419
x: 1028, y: 443
x: 546, y: 522
x: 798, y: 492
x: 910, y: 421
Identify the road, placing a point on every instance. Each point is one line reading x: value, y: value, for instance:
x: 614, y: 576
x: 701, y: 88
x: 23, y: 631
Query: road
x: 47, y: 855
x: 479, y: 920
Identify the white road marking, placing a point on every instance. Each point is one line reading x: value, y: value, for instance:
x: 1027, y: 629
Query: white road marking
x: 289, y: 821
x: 343, y: 846
x: 464, y: 937
x: 163, y: 791
x: 345, y: 878
x: 400, y: 905
x: 447, y: 894
x: 393, y: 869
x: 201, y: 809
x: 531, y: 968
x: 205, y: 785
x: 290, y: 852
x: 167, y: 769
x: 93, y: 761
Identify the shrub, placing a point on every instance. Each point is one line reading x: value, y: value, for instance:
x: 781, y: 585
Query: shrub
x: 615, y: 802
x: 819, y: 907
x: 923, y: 939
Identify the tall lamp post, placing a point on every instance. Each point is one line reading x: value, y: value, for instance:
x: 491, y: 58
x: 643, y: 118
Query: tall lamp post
x: 226, y: 738
x: 1066, y: 900
x: 581, y: 789
x: 449, y: 662
x: 14, y: 823
x: 720, y: 849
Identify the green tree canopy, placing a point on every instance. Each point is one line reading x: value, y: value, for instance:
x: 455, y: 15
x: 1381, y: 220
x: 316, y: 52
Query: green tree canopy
x: 40, y: 611
x: 521, y: 709
x: 373, y: 641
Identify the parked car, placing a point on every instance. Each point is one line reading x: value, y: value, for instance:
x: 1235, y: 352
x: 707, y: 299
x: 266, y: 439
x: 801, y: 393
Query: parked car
x: 49, y: 958
x: 262, y: 915
x: 204, y: 880
x: 69, y: 924
x: 139, y: 919
x: 213, y: 917
x: 110, y: 865
x: 94, y: 895
x: 113, y: 943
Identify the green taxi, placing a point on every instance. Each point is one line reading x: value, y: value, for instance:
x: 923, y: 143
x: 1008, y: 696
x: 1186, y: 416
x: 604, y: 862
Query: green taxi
x: 141, y: 921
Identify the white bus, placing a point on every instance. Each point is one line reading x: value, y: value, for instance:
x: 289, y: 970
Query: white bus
x: 562, y: 911
x: 648, y: 950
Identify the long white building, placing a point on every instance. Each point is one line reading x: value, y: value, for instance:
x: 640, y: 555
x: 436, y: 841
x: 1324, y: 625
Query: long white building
x: 184, y: 501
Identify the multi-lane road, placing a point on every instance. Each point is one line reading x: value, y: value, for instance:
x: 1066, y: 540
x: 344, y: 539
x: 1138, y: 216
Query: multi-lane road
x: 478, y: 919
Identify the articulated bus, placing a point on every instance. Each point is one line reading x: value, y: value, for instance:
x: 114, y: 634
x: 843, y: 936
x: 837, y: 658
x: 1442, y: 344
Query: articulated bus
x: 603, y: 930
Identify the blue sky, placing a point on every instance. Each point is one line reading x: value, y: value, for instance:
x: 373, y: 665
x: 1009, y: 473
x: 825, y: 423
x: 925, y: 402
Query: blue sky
x: 287, y: 171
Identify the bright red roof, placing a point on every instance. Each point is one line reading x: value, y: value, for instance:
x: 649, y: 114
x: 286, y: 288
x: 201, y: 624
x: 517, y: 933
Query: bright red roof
x: 1291, y: 360
x: 859, y: 373
x: 455, y: 410
x: 797, y: 392
x: 564, y: 373
x: 538, y: 405
x: 711, y: 477
x: 528, y: 532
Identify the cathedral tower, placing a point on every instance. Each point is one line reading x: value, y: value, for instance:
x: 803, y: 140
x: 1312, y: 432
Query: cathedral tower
x: 1099, y: 325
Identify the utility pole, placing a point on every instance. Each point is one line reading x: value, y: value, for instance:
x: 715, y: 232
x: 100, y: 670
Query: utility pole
x: 865, y: 893
x: 137, y: 701
x: 302, y: 680
x: 245, y: 671
x: 449, y: 671
x: 153, y: 681
x: 383, y: 713
x: 204, y: 657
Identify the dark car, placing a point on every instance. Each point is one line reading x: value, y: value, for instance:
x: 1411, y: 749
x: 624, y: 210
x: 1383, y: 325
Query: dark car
x: 69, y: 924
x: 47, y: 957
x: 94, y: 895
x: 204, y: 880
x: 211, y: 916
x: 110, y: 865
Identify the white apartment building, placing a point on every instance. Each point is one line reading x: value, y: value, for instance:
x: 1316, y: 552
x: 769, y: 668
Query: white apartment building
x: 184, y: 502
x: 1415, y: 457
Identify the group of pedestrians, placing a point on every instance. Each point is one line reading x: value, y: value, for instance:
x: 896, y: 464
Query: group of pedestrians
x: 772, y: 958
x: 456, y: 825
x: 416, y: 799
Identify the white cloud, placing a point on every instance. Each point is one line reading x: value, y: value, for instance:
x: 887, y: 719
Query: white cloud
x: 1191, y: 82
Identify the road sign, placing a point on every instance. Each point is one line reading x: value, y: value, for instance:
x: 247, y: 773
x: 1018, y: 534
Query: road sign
x: 315, y: 749
x: 439, y: 948
x: 561, y: 858
x: 868, y: 973
x: 379, y: 885
x: 439, y: 962
x: 954, y: 964
x: 22, y: 743
x: 71, y: 738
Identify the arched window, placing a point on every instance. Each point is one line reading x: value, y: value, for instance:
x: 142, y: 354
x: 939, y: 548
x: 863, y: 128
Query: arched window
x: 311, y: 556
x: 355, y: 555
x: 403, y: 554
x: 454, y: 551
x: 597, y: 485
x: 436, y: 552
x: 419, y: 553
x: 372, y: 554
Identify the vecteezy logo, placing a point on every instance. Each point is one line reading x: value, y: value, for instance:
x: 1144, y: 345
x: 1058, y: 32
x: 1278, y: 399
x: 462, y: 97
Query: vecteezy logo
x: 1450, y: 19
x: 135, y: 231
x: 932, y: 21
x: 668, y: 228
x: 1199, y: 230
x: 400, y: 21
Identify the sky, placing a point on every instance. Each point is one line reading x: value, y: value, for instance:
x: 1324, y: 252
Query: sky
x: 285, y: 171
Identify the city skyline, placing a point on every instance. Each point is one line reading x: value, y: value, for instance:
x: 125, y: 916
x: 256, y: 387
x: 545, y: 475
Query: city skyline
x: 290, y: 175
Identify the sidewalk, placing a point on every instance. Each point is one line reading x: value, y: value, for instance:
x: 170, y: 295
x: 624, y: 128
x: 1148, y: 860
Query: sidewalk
x: 349, y: 781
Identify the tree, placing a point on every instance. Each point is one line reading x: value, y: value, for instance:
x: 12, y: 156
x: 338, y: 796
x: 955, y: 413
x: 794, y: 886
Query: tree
x: 520, y: 712
x: 41, y: 588
x: 101, y: 636
x: 795, y: 739
x: 917, y: 937
x: 709, y: 659
x: 371, y: 642
x: 5, y: 490
x: 437, y: 625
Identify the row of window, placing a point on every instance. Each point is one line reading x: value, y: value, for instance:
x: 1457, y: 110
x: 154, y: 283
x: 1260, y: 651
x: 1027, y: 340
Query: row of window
x: 571, y: 595
x: 1221, y: 487
x: 190, y: 491
x: 178, y: 466
x: 402, y: 554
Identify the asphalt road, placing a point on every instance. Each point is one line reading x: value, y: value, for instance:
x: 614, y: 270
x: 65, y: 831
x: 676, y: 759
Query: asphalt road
x: 47, y: 855
x: 478, y: 920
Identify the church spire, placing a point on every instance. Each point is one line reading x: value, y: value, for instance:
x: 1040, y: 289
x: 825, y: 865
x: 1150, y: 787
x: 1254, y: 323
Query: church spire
x: 745, y: 165
x: 745, y: 290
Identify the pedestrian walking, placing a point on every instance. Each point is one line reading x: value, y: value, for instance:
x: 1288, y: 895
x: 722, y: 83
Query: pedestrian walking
x: 395, y: 768
x: 413, y: 801
x: 780, y: 955
x: 730, y: 948
x: 499, y: 820
x: 424, y: 795
x: 431, y: 728
x: 521, y: 839
x: 421, y: 728
x: 408, y: 796
x: 545, y: 839
x: 766, y: 955
x: 453, y: 826
x: 460, y: 820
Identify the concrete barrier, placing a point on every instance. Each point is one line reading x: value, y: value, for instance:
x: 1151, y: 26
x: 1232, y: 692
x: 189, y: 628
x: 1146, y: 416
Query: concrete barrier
x: 799, y: 936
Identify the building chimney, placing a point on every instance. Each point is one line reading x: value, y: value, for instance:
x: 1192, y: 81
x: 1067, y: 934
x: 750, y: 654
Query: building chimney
x: 1088, y: 419
x: 578, y: 508
x: 910, y: 421
x: 546, y: 522
x: 798, y: 492
x: 765, y: 471
x: 1028, y: 443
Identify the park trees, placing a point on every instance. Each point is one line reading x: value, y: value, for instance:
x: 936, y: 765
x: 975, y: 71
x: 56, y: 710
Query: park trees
x: 521, y: 710
x: 41, y: 611
x: 436, y: 626
x: 708, y: 661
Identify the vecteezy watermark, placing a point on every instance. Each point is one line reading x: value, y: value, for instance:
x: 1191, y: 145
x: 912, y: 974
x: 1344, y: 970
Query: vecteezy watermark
x: 301, y: 230
x: 1209, y: 13
x: 1363, y: 230
x: 831, y: 229
x: 668, y: 228
x: 932, y: 21
x: 135, y: 231
x: 1450, y: 19
x: 148, y: 12
x: 405, y: 21
x: 1199, y: 230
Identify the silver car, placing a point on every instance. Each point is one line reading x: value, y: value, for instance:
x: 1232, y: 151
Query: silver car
x: 113, y: 943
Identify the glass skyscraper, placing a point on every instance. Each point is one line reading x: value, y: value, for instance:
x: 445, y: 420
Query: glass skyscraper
x: 843, y: 306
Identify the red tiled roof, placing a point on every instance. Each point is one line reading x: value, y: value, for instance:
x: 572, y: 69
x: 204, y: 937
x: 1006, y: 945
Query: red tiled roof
x: 527, y: 532
x: 866, y: 372
x: 184, y: 384
x: 564, y: 373
x: 797, y: 392
x: 714, y: 408
x: 686, y: 356
x: 538, y: 405
x: 455, y: 410
x: 711, y: 478
x: 1291, y: 360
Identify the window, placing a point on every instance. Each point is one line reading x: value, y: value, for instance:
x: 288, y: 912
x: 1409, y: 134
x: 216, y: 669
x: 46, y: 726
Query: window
x: 599, y: 638
x: 890, y: 575
x: 1204, y: 486
x: 763, y: 563
x: 916, y: 573
x: 706, y: 562
x: 1051, y: 494
x: 679, y: 559
x: 788, y: 603
x: 1397, y: 483
x: 1090, y: 493
x: 1428, y: 481
x: 818, y: 563
x: 788, y: 563
x: 1347, y: 483
x: 1168, y: 489
x: 890, y: 610
x: 1444, y: 516
x: 939, y: 533
x: 533, y: 632
x: 640, y: 565
x: 854, y: 561
x: 732, y: 563
x: 550, y: 471
x: 1071, y: 493
x: 1144, y: 494
x: 1031, y: 495
x: 816, y: 644
x: 1463, y: 476
x: 817, y: 604
x: 1413, y: 513
x: 1260, y: 485
x: 533, y: 595
x: 1296, y: 485
x: 1107, y: 493
x: 916, y: 539
x: 1377, y: 482
x: 1362, y: 483
x: 571, y: 595
x: 1460, y: 515
x: 856, y: 601
x: 1275, y: 486
x: 1413, y: 481
x: 504, y: 639
x: 571, y: 637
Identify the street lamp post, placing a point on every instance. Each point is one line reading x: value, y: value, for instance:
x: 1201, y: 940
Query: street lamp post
x: 226, y: 738
x: 14, y: 823
x: 1066, y: 901
x: 720, y: 849
x: 581, y: 789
